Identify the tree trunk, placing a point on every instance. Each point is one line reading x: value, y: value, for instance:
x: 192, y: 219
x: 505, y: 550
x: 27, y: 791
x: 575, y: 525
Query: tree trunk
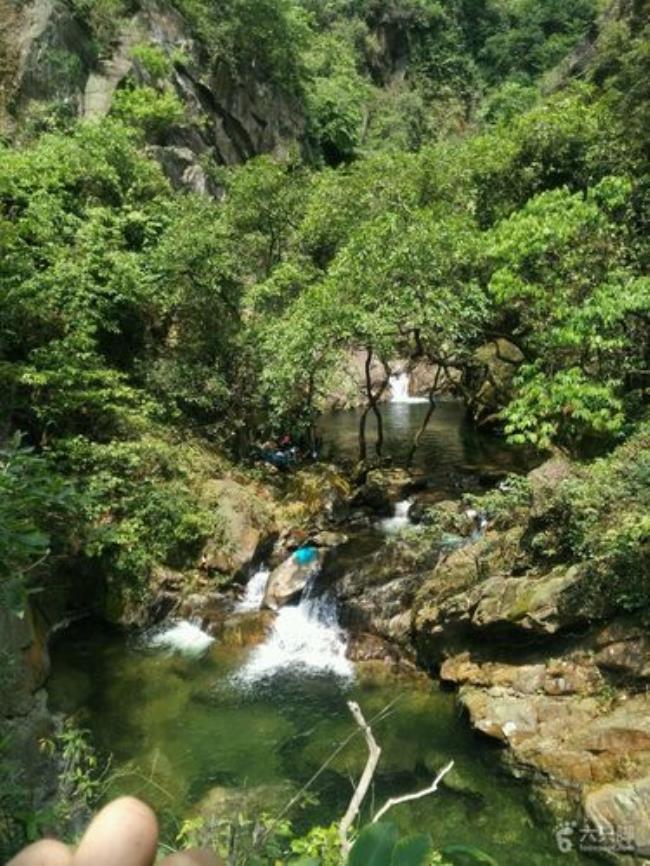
x: 379, y: 444
x: 372, y: 406
x: 425, y: 423
x: 363, y: 451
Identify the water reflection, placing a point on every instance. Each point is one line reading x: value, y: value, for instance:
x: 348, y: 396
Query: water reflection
x: 450, y: 446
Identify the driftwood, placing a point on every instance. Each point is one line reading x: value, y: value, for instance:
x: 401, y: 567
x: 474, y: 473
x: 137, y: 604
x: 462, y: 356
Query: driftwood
x: 374, y: 753
x: 405, y: 798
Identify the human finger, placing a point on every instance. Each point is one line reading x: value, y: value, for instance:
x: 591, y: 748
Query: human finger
x: 47, y: 852
x: 124, y: 833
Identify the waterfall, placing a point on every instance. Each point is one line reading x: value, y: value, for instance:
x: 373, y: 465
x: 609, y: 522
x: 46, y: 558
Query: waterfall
x: 254, y: 592
x: 480, y: 523
x: 399, y: 389
x: 400, y: 518
x: 183, y: 637
x: 305, y: 637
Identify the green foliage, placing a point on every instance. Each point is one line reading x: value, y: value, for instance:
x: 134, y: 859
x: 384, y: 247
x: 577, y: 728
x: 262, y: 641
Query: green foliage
x: 375, y: 846
x: 468, y: 855
x: 37, y: 513
x: 153, y: 60
x: 336, y: 95
x: 560, y: 267
x: 145, y: 108
x: 601, y: 520
x: 264, y: 39
x: 321, y: 846
x: 139, y: 507
x: 565, y: 407
x: 78, y: 783
x: 499, y: 505
x: 378, y: 845
x: 103, y: 17
x: 76, y: 219
x: 531, y: 37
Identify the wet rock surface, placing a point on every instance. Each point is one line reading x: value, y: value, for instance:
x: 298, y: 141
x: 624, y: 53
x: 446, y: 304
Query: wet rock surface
x: 289, y: 579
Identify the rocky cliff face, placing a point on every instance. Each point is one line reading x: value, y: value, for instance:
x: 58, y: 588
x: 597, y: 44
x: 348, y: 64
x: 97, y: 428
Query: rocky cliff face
x: 51, y: 59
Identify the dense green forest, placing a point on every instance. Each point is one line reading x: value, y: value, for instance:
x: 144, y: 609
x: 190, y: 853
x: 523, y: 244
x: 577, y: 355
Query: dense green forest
x: 463, y: 171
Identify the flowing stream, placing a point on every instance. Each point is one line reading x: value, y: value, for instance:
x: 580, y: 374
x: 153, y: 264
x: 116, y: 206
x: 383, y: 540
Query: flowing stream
x: 189, y: 720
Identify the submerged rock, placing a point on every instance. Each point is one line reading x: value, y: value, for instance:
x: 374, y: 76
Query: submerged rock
x: 223, y: 803
x: 246, y: 629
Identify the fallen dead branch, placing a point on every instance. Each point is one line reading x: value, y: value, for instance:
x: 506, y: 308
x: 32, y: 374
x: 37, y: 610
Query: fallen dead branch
x: 395, y: 801
x: 374, y: 753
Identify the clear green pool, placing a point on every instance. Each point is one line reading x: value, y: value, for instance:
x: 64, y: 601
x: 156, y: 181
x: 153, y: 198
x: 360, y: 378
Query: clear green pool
x: 181, y: 730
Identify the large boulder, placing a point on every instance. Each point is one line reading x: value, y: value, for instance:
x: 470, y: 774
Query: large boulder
x: 24, y: 660
x: 622, y: 648
x: 245, y: 524
x: 381, y: 489
x: 290, y: 578
x: 532, y: 605
x: 544, y: 481
x: 376, y: 596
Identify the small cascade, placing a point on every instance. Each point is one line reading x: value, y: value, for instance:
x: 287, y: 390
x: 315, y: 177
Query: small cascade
x: 479, y: 521
x: 305, y: 638
x: 184, y: 637
x: 400, y: 518
x: 254, y: 592
x: 399, y: 389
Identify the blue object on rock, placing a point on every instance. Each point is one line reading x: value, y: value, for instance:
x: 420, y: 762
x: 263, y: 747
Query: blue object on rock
x: 305, y: 555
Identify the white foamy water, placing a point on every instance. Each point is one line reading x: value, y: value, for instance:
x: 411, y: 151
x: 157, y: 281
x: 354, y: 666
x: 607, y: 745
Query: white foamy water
x: 254, y: 593
x: 399, y: 389
x: 400, y: 518
x: 306, y: 638
x: 480, y: 523
x: 183, y: 637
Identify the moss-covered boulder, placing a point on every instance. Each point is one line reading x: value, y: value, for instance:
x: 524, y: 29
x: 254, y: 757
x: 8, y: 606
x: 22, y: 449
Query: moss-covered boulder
x: 245, y: 523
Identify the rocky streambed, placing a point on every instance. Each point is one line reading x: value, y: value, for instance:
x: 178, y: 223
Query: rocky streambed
x: 563, y: 693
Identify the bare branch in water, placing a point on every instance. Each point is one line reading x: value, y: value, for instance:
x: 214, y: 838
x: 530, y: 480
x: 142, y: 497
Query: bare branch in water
x: 394, y: 801
x: 374, y: 753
